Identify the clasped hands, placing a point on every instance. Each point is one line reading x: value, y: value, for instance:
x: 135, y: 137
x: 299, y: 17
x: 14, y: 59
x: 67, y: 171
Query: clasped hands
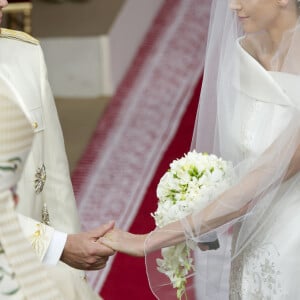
x: 91, y: 250
x: 83, y: 251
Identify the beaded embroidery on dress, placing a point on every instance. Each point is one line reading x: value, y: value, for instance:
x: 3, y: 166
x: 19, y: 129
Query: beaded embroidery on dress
x: 255, y: 274
x: 261, y: 269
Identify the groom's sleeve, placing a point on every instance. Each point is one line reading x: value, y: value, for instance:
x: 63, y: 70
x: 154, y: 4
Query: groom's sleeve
x: 47, y: 243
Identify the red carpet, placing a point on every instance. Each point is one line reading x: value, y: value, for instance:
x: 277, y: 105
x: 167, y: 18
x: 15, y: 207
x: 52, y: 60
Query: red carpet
x: 134, y: 142
x: 127, y: 278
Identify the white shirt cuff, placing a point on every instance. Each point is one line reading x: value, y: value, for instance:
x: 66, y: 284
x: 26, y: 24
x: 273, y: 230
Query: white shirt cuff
x: 55, y: 248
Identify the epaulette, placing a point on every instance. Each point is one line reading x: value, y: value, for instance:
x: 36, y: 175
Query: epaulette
x: 18, y: 35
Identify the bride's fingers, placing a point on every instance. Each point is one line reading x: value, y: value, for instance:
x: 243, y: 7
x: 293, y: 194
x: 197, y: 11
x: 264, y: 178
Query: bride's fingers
x: 105, y: 240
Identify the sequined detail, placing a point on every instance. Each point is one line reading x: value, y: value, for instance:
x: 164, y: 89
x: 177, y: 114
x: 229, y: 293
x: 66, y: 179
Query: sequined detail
x: 255, y: 273
x: 40, y: 179
x: 45, y: 215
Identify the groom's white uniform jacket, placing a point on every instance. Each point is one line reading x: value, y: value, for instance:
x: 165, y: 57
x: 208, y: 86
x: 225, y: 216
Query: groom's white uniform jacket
x: 22, y: 63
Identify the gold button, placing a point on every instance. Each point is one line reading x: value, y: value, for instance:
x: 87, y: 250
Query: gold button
x: 35, y: 125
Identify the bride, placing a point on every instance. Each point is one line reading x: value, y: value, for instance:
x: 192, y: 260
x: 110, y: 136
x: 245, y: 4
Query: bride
x: 249, y: 114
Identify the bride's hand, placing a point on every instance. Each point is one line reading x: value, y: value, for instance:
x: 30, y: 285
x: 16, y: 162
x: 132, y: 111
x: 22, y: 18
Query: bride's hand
x: 125, y: 242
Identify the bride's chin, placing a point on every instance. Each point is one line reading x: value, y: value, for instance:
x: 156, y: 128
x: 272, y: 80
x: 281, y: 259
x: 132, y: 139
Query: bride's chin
x: 250, y: 27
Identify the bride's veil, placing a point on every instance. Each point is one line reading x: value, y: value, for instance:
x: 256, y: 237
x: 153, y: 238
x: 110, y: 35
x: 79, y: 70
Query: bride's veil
x: 246, y: 115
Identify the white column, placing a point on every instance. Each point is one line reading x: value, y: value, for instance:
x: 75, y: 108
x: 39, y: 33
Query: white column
x: 93, y: 66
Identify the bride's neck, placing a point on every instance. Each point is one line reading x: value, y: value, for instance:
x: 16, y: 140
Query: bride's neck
x: 276, y: 33
x: 275, y: 38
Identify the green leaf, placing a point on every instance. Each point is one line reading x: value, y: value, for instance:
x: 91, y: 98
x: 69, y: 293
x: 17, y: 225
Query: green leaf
x: 12, y: 164
x: 12, y: 292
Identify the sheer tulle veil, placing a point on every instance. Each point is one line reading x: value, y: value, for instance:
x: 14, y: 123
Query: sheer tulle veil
x: 245, y: 92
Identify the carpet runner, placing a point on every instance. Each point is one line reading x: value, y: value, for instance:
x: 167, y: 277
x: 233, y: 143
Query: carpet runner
x: 132, y: 138
x: 127, y: 276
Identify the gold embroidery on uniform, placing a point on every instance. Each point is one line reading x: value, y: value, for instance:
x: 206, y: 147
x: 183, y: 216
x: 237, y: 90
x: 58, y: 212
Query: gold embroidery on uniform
x: 39, y: 182
x: 45, y: 215
x: 18, y: 35
x: 38, y: 239
x: 40, y: 179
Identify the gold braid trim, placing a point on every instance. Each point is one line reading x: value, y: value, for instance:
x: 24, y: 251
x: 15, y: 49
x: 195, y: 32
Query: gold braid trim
x: 18, y: 35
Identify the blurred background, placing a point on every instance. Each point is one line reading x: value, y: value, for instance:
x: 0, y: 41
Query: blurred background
x: 126, y: 76
x: 88, y: 47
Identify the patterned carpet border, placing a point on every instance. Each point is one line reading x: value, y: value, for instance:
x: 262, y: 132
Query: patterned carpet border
x: 120, y: 161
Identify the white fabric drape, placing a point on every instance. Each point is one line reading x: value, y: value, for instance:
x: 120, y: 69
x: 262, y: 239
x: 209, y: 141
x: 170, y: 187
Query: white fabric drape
x: 249, y: 114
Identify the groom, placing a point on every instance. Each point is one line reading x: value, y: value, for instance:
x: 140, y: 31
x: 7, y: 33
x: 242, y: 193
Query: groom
x: 45, y: 189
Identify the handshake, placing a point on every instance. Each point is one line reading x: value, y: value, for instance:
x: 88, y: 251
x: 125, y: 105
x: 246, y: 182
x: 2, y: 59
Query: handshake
x: 84, y: 251
x: 90, y: 250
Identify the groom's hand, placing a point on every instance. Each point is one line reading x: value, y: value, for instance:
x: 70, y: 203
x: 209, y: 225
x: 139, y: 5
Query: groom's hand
x: 83, y: 252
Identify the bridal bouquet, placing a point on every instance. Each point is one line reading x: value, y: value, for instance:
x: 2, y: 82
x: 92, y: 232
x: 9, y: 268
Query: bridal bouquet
x: 188, y: 186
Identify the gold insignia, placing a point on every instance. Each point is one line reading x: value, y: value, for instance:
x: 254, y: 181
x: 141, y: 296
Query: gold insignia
x: 38, y: 239
x: 18, y: 35
x: 40, y: 179
x: 45, y: 215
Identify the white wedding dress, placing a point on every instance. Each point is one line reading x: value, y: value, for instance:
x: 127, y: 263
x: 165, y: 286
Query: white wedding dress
x: 269, y: 265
